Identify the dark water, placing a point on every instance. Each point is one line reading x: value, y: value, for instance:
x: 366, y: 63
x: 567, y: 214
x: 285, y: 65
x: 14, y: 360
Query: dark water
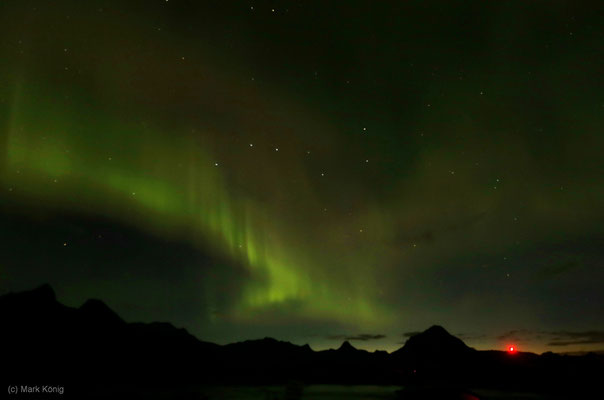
x: 312, y: 392
x: 309, y: 392
x: 334, y: 392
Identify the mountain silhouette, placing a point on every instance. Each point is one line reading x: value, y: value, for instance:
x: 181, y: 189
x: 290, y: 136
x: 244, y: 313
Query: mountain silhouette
x: 434, y: 343
x: 346, y: 346
x: 98, y: 312
x: 92, y: 347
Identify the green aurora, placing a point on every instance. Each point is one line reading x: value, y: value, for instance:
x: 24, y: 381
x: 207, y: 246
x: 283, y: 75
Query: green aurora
x: 348, y: 180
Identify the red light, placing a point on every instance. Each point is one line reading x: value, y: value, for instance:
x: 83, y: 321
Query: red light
x: 511, y: 349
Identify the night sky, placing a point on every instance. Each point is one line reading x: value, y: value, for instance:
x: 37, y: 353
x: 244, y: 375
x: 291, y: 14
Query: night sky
x: 313, y: 171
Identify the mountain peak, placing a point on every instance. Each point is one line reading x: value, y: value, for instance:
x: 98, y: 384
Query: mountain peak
x: 44, y: 292
x: 436, y: 330
x: 346, y: 346
x: 434, y: 342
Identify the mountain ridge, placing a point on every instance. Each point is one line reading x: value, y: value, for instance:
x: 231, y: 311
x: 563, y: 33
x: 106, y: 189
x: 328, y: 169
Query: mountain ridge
x: 92, y: 343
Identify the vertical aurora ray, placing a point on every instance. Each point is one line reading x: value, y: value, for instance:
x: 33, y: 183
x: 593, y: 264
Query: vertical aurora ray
x: 171, y: 186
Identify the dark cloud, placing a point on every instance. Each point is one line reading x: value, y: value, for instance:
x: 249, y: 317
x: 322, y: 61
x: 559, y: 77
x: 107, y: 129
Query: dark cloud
x: 566, y: 338
x: 515, y: 334
x: 465, y: 223
x: 428, y: 236
x: 554, y: 338
x: 424, y: 237
x: 555, y: 269
x: 523, y: 335
x: 470, y: 336
x: 582, y: 353
x: 361, y: 337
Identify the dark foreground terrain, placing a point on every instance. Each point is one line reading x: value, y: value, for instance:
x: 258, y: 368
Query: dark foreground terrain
x: 91, y: 351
